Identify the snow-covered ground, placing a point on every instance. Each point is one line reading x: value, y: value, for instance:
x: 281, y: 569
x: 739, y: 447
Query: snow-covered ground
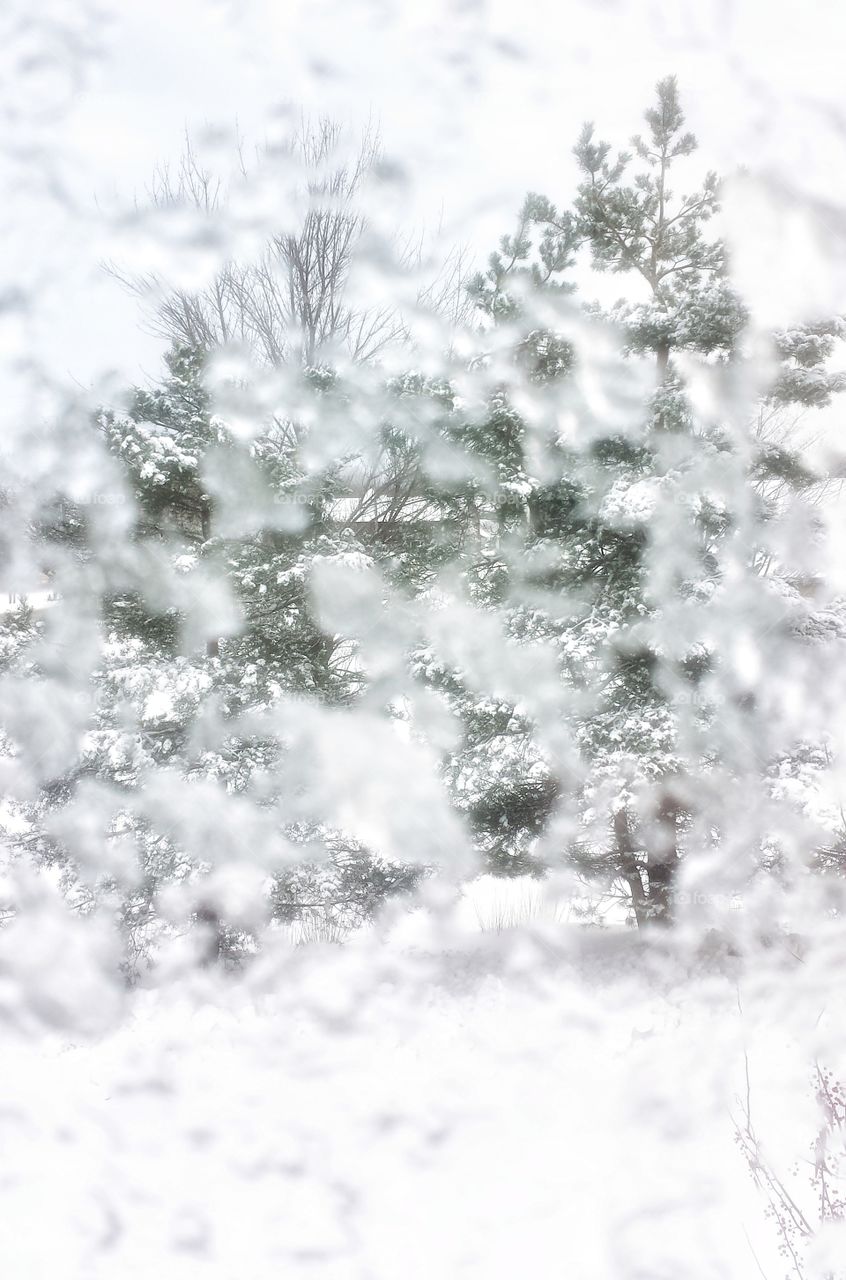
x: 544, y: 1103
x: 43, y: 598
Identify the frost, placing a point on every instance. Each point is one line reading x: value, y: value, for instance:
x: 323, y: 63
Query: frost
x: 422, y: 638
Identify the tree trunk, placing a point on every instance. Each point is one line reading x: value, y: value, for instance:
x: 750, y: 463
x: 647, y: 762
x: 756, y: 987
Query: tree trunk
x: 213, y: 947
x: 652, y: 901
x: 212, y: 646
x: 662, y: 859
x: 629, y: 869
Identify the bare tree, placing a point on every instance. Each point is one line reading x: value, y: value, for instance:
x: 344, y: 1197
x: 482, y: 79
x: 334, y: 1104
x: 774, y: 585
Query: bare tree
x: 293, y: 302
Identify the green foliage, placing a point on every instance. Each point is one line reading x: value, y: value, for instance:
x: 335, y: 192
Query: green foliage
x: 571, y: 532
x: 590, y: 536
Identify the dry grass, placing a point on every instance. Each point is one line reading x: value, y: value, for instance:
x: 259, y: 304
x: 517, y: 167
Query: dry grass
x: 501, y: 905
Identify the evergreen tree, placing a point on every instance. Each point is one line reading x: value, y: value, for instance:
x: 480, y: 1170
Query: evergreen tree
x: 634, y: 222
x: 593, y: 549
x: 182, y: 659
x: 634, y: 534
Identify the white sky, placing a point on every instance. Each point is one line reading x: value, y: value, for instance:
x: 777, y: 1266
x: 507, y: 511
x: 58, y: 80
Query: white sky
x: 479, y: 100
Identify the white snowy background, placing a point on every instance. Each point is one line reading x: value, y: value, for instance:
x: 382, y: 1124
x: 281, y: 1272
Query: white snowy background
x: 484, y: 1087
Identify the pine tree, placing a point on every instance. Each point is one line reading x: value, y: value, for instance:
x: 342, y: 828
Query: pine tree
x: 225, y: 529
x: 634, y: 222
x: 605, y: 546
x: 633, y: 533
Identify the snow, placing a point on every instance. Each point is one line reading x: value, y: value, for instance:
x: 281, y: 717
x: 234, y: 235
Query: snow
x: 485, y: 1112
x: 158, y: 705
x: 389, y: 586
x: 38, y: 601
x: 630, y: 504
